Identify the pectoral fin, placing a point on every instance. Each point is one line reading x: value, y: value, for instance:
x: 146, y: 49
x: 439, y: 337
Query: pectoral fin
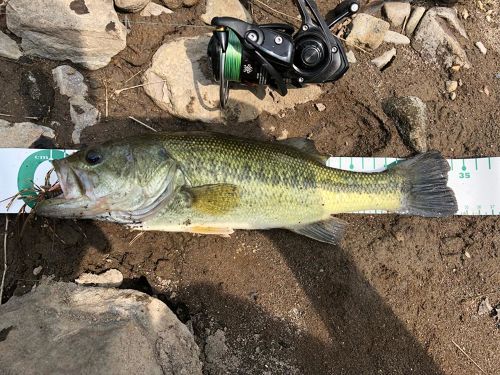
x: 214, y: 199
x: 329, y: 231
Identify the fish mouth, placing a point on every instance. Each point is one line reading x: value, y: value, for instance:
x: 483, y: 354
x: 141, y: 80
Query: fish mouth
x: 76, y: 198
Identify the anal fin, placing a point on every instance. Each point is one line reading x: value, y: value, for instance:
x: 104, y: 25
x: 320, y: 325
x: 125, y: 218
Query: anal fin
x: 329, y: 231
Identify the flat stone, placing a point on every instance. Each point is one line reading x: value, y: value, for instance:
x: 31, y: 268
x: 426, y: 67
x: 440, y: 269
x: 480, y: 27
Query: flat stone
x: 191, y: 93
x: 86, y: 32
x: 436, y: 38
x: 367, y: 31
x: 414, y: 20
x: 69, y: 81
x: 9, y: 48
x: 190, y: 3
x: 83, y: 114
x: 381, y: 61
x: 409, y: 114
x: 227, y: 8
x: 109, y: 279
x: 22, y: 134
x: 154, y: 10
x: 173, y: 4
x: 320, y: 107
x: 396, y: 12
x: 72, y: 329
x: 131, y: 5
x: 351, y: 57
x: 396, y: 38
x: 480, y: 46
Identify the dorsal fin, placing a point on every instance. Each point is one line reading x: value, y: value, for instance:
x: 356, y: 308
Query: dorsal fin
x: 307, y: 146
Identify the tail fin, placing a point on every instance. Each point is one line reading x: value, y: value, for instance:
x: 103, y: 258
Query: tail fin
x: 426, y: 190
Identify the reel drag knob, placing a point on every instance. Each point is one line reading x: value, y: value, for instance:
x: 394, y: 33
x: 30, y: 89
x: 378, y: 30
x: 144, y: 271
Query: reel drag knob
x: 310, y: 53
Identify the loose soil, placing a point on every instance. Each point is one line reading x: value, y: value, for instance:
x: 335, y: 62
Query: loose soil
x: 391, y: 299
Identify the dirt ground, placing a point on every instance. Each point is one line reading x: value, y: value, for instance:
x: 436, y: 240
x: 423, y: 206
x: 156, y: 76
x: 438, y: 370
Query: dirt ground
x: 393, y: 299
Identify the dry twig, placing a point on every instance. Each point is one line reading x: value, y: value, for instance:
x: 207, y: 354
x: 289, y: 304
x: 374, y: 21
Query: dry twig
x: 135, y: 74
x: 26, y: 117
x: 469, y: 357
x: 353, y: 45
x: 277, y: 11
x: 4, y: 256
x: 142, y: 123
x: 119, y: 91
x: 139, y: 235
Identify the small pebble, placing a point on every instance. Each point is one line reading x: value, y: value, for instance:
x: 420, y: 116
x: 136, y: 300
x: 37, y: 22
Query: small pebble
x: 486, y: 90
x: 351, y: 58
x: 460, y: 82
x: 481, y: 47
x: 320, y: 107
x: 484, y: 307
x: 381, y: 61
x: 453, y: 95
x: 455, y: 68
x: 467, y: 254
x: 283, y: 135
x: 451, y: 86
x: 37, y: 270
x: 465, y: 14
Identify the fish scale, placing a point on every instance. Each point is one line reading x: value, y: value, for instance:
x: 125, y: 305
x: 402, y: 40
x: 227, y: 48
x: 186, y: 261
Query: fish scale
x: 290, y: 188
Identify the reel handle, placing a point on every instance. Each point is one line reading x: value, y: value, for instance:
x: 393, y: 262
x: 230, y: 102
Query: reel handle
x: 345, y: 9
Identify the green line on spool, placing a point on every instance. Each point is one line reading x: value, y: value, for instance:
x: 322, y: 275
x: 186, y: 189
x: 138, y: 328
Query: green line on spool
x: 232, y: 64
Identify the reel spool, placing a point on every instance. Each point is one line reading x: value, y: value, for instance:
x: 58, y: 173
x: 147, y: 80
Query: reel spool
x: 276, y: 55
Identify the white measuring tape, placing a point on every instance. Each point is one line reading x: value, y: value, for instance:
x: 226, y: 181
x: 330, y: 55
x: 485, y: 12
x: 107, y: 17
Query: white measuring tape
x: 476, y: 182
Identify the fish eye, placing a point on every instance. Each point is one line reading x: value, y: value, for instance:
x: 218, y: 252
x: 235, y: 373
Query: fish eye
x: 93, y: 157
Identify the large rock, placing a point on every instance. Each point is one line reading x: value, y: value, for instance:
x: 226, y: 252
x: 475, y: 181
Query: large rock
x: 367, y: 32
x: 228, y: 8
x: 131, y: 5
x: 22, y: 134
x: 87, y: 32
x: 409, y: 113
x: 397, y: 12
x: 437, y: 38
x: 9, y: 48
x: 62, y: 328
x: 178, y: 82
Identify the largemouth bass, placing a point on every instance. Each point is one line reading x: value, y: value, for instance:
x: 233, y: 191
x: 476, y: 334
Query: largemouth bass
x: 213, y: 184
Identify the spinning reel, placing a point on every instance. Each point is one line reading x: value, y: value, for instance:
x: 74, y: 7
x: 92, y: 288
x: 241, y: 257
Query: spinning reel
x: 274, y: 54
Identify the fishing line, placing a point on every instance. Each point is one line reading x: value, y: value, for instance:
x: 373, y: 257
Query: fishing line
x: 232, y: 63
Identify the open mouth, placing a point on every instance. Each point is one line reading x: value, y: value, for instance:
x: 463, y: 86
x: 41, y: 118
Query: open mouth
x: 72, y: 185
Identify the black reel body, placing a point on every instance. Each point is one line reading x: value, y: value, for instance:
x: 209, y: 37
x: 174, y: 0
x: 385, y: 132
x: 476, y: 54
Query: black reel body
x: 276, y: 55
